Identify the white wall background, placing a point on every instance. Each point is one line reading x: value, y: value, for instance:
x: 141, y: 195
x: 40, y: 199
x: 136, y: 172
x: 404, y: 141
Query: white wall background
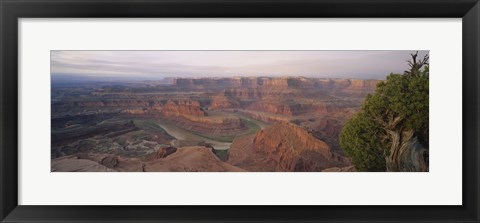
x: 442, y: 185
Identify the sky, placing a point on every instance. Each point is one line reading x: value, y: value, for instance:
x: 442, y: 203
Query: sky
x: 160, y: 64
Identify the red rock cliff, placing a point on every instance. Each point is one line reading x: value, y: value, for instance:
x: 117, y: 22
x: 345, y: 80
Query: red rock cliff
x: 283, y: 147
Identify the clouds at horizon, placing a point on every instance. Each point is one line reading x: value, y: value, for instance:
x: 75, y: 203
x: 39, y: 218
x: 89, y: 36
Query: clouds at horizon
x: 160, y: 64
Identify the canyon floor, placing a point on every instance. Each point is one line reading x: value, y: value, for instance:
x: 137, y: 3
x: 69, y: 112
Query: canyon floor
x: 266, y: 124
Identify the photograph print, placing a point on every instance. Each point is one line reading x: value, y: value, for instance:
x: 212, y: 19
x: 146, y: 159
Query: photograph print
x: 239, y: 111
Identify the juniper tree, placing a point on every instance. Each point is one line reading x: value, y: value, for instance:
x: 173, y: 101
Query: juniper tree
x: 390, y: 132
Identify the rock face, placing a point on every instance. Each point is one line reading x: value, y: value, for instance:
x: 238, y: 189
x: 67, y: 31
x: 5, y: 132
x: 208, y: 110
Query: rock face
x: 170, y: 159
x: 294, y: 108
x: 272, y: 82
x: 190, y: 116
x: 110, y: 161
x: 330, y: 127
x: 118, y: 163
x: 95, y: 162
x: 190, y: 159
x: 169, y: 108
x: 283, y: 147
x: 73, y: 164
x: 240, y: 88
x: 277, y: 82
x: 245, y: 82
x: 362, y: 84
x: 280, y: 109
x: 219, y: 102
x: 349, y: 84
x: 212, y: 127
x: 182, y: 108
x: 164, y: 152
x: 245, y: 94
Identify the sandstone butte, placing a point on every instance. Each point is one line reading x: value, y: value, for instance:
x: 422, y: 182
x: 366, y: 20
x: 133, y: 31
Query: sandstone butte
x: 283, y: 147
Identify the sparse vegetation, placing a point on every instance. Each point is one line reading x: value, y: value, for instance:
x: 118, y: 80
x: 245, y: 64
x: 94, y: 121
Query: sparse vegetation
x: 391, y: 123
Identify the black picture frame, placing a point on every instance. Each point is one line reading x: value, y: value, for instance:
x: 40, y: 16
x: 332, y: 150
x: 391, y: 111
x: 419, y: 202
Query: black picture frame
x: 12, y: 10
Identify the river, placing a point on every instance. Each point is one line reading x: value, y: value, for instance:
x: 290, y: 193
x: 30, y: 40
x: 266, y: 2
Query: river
x: 182, y: 134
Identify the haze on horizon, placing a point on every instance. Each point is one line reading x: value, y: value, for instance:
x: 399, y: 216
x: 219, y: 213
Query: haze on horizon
x: 163, y: 64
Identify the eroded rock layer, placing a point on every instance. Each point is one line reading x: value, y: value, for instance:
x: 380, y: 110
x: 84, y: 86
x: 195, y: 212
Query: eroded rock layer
x: 283, y: 147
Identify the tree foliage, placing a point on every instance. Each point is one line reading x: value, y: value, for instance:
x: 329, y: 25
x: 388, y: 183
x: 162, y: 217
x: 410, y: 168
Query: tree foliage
x: 399, y: 103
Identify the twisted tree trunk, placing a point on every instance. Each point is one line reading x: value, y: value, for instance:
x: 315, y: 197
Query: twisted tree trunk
x: 406, y: 153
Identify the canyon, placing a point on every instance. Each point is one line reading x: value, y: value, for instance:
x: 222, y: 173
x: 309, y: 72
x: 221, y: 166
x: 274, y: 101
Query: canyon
x: 204, y: 124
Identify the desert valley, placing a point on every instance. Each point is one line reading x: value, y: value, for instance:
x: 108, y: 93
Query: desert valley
x: 204, y: 124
